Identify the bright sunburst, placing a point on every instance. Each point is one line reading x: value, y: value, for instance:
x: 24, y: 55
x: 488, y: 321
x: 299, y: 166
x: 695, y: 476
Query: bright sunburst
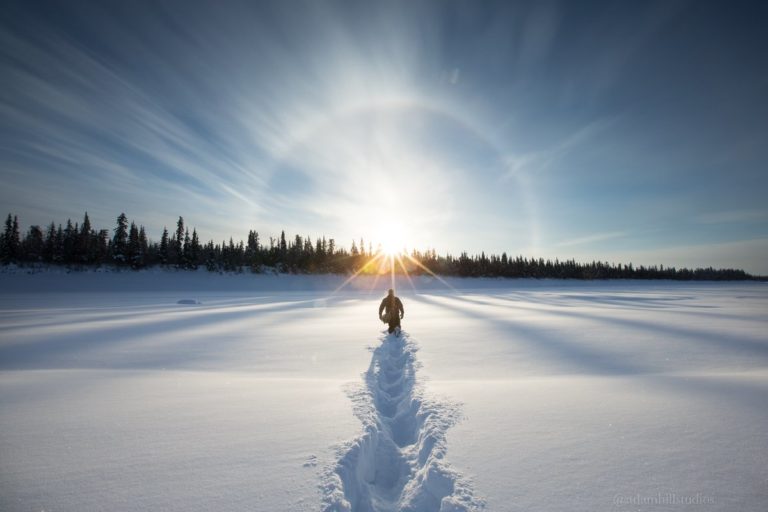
x: 390, y: 240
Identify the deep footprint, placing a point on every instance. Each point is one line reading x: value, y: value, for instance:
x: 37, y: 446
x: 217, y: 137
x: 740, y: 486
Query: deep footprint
x: 397, y: 464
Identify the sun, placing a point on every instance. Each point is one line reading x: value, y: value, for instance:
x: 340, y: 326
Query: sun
x: 390, y: 241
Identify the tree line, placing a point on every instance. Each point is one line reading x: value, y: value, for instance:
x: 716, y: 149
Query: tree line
x: 127, y: 245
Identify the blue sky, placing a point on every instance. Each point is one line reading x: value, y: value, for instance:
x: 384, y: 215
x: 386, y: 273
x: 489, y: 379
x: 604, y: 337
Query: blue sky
x: 619, y: 131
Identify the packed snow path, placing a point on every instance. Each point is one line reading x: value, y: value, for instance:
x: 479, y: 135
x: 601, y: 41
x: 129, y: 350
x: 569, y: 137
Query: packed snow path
x: 397, y: 464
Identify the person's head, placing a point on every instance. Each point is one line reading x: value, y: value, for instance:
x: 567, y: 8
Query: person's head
x: 391, y: 292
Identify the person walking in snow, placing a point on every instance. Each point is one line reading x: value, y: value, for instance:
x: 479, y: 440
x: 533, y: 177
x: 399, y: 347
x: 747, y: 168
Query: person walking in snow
x: 393, y: 312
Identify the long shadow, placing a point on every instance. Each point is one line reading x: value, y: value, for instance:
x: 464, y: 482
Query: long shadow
x: 648, y: 303
x: 85, y: 315
x: 75, y: 349
x: 751, y: 394
x: 156, y: 314
x: 551, y: 347
x: 732, y: 342
x: 636, y: 302
x: 518, y: 297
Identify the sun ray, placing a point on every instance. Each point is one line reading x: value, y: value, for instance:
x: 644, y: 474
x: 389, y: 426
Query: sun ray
x: 392, y: 271
x: 375, y: 281
x: 359, y: 271
x: 429, y: 271
x: 385, y: 259
x: 405, y: 273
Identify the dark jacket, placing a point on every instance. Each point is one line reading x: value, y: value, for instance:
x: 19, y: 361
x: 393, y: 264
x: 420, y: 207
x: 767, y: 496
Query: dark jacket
x: 391, y: 305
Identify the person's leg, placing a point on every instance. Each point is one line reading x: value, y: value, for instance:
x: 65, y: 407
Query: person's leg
x: 392, y: 324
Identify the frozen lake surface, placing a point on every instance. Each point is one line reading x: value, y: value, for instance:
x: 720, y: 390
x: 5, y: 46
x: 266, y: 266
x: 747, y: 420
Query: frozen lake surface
x: 164, y: 391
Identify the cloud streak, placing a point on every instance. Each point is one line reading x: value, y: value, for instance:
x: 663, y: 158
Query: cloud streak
x: 471, y: 126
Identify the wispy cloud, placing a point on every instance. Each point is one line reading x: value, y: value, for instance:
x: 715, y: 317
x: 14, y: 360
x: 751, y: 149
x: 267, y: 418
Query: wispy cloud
x: 539, y: 161
x: 471, y: 126
x: 209, y: 135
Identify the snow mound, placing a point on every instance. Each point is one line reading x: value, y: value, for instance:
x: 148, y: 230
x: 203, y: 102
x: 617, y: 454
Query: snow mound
x: 398, y: 462
x: 189, y: 301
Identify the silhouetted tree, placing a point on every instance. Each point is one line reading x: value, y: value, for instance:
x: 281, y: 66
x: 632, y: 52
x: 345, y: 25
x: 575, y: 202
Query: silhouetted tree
x: 164, y: 247
x: 71, y: 235
x: 86, y: 241
x: 33, y: 246
x: 178, y: 245
x: 10, y: 248
x: 135, y: 257
x: 49, y: 251
x: 81, y: 244
x: 193, y: 259
x: 120, y: 240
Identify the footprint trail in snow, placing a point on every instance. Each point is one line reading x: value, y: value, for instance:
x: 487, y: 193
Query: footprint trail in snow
x: 398, y: 462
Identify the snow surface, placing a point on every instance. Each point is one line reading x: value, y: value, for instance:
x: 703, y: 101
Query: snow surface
x: 196, y: 391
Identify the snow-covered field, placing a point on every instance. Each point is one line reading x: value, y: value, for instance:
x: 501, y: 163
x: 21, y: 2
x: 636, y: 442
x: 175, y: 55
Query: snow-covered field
x: 187, y: 392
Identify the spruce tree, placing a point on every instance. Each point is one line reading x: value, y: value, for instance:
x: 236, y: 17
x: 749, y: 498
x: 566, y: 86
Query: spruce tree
x: 85, y: 245
x: 33, y: 245
x: 194, y: 255
x: 187, y: 249
x: 15, y: 242
x: 143, y: 246
x: 210, y: 257
x: 58, y: 254
x: 120, y: 240
x: 5, y: 250
x: 164, y: 247
x: 50, y: 243
x: 253, y: 241
x: 253, y: 257
x: 71, y: 235
x: 102, y: 246
x: 10, y: 248
x: 134, y: 250
x: 179, y: 243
